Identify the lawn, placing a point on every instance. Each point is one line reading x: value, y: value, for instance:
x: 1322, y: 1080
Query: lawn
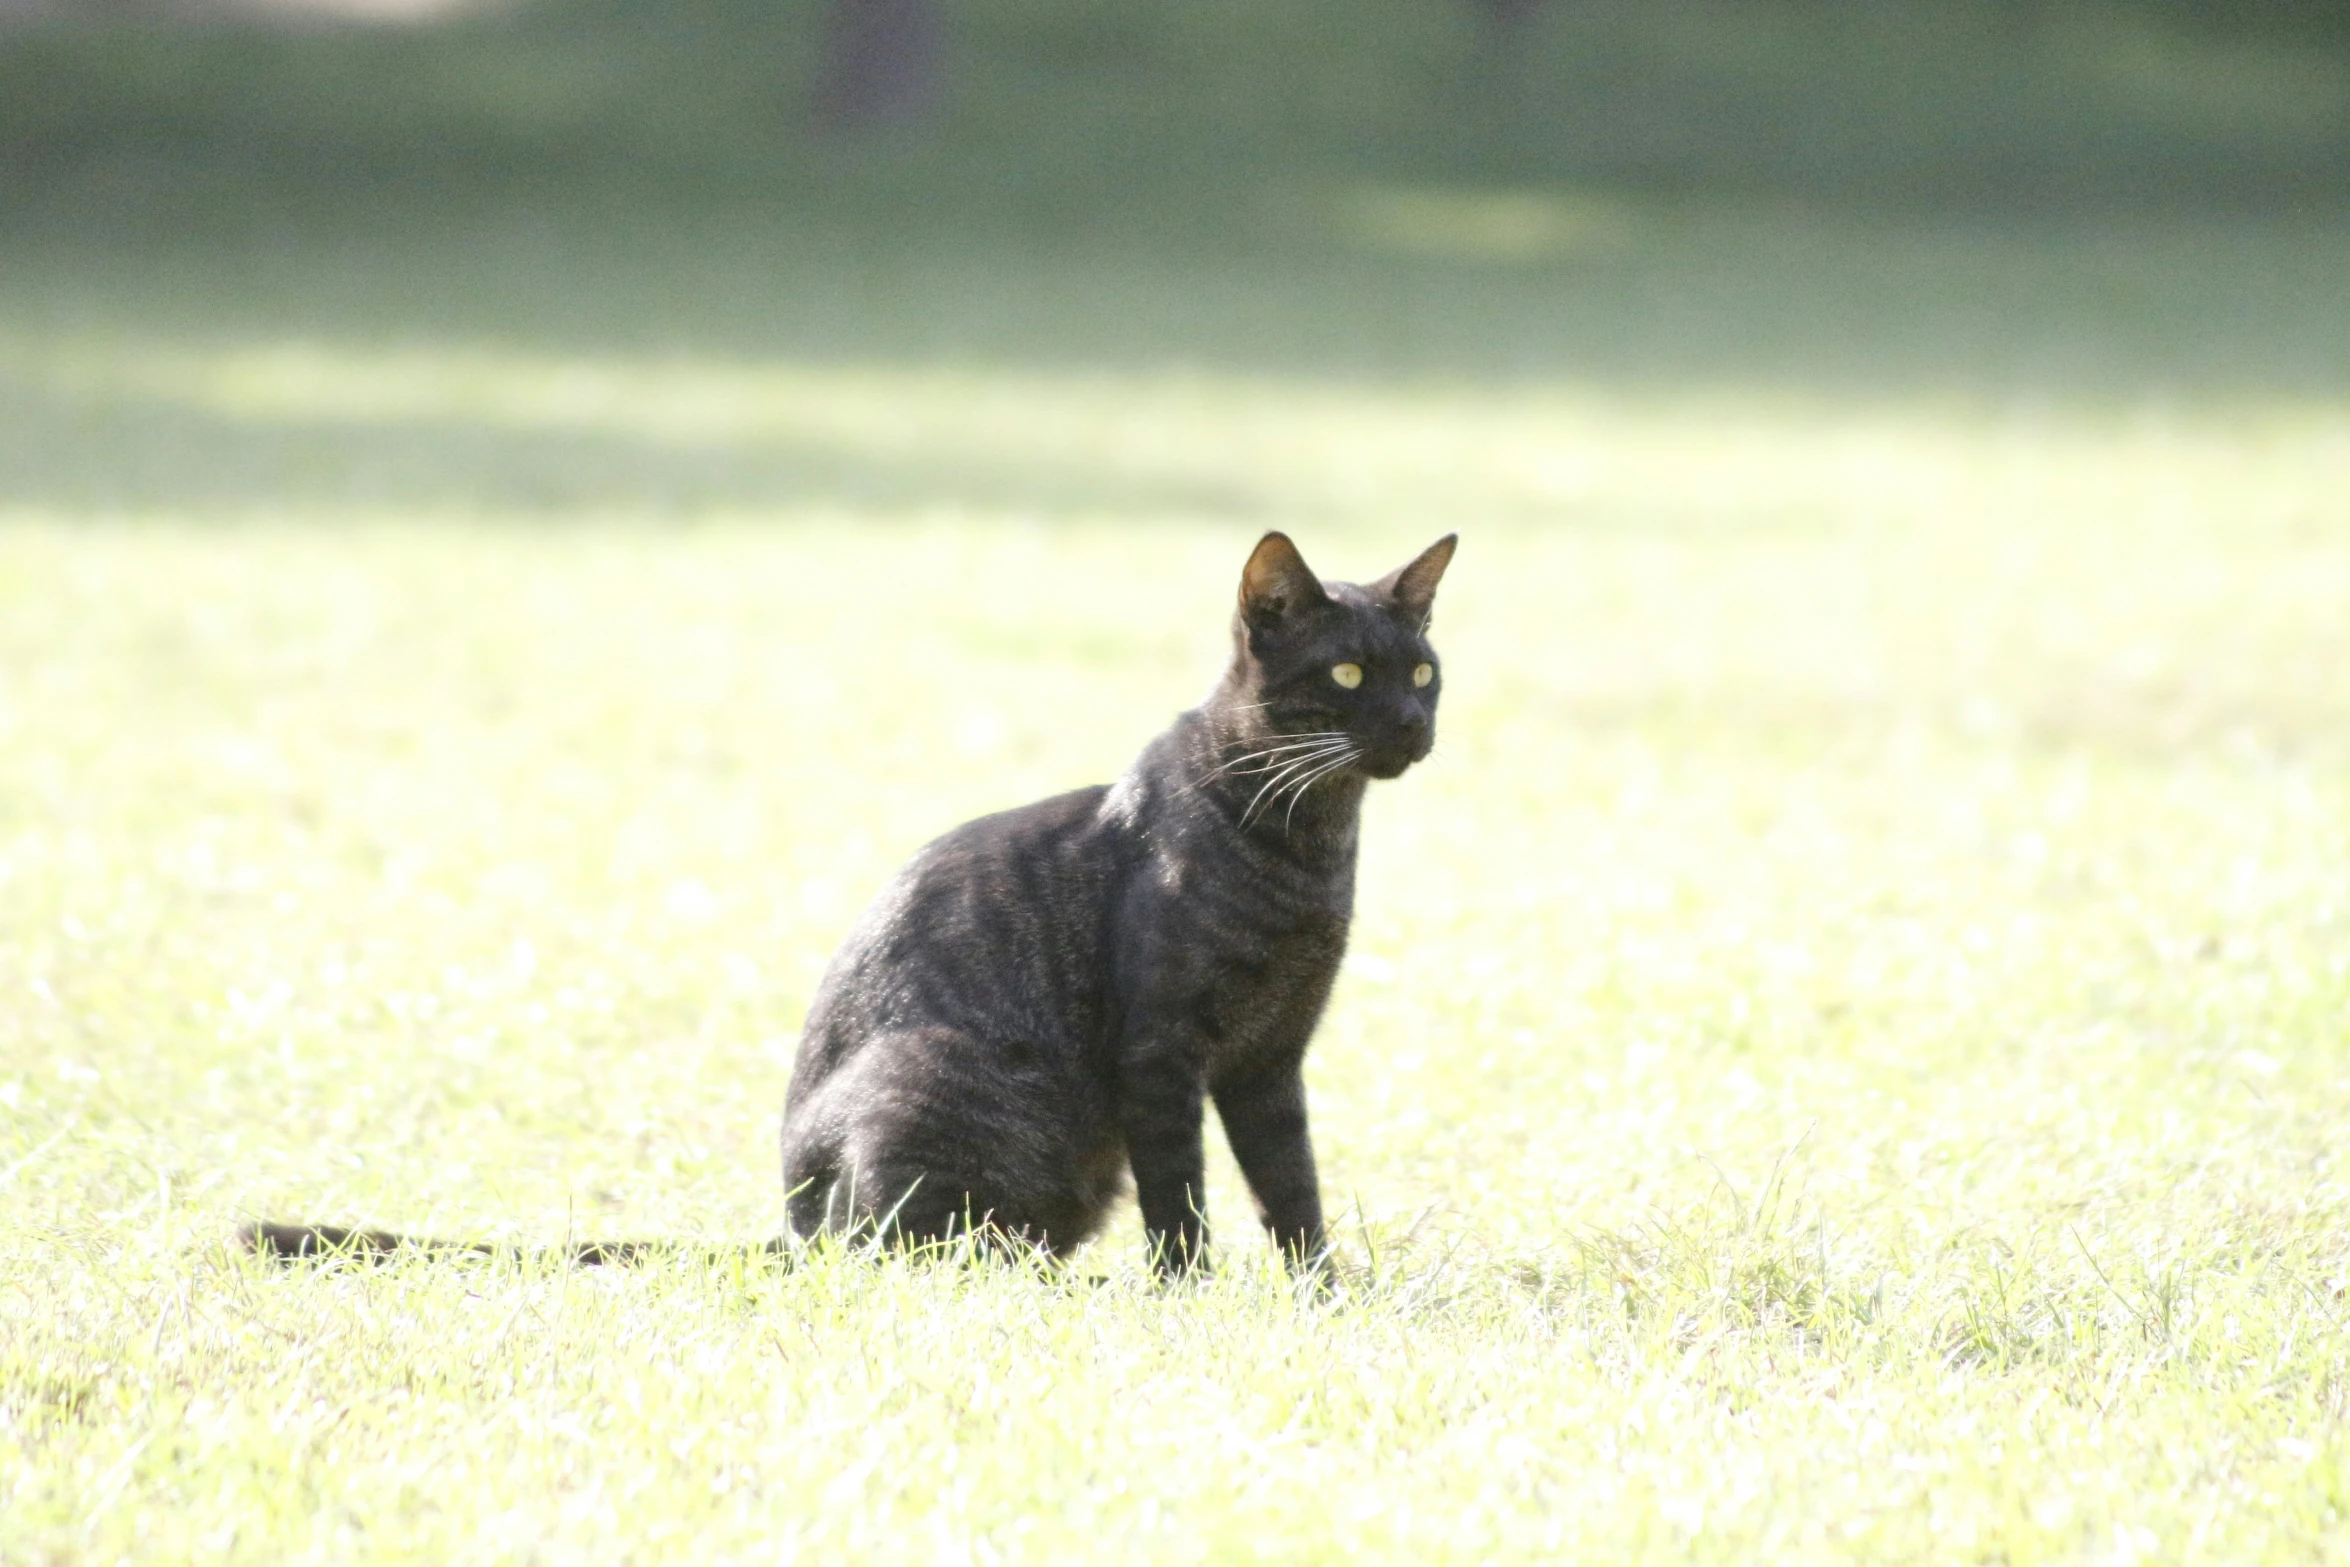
x: 1845, y: 1053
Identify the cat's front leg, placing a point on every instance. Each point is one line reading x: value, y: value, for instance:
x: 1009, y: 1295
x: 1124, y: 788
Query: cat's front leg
x: 1162, y: 1103
x: 1265, y: 1121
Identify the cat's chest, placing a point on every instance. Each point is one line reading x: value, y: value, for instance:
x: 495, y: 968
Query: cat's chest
x: 1241, y: 948
x: 1252, y: 902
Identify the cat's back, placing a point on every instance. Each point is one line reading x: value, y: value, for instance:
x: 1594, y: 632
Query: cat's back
x: 999, y: 921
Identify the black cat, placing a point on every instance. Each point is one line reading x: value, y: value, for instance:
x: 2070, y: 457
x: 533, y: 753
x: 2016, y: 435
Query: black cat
x: 1047, y: 998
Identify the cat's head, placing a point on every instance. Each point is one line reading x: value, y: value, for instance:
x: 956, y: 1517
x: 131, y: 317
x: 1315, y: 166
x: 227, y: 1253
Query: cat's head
x: 1340, y: 661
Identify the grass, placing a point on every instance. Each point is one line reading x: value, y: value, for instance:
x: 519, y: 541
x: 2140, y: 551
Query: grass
x: 1843, y: 1052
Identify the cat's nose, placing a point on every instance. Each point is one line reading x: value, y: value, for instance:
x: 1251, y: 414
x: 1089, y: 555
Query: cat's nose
x: 1412, y: 720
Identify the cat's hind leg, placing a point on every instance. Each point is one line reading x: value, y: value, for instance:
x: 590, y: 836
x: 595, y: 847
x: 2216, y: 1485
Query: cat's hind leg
x: 943, y: 1134
x: 812, y: 1132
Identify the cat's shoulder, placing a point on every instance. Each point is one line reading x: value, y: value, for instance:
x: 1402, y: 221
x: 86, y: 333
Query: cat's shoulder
x: 1057, y: 817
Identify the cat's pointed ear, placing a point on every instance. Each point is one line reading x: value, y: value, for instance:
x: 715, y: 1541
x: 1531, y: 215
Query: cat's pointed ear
x: 1412, y: 588
x: 1277, y: 580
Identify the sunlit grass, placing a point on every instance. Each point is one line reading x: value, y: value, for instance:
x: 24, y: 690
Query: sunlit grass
x: 1843, y: 1055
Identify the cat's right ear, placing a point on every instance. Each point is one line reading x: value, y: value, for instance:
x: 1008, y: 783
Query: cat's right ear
x: 1412, y: 588
x: 1277, y: 581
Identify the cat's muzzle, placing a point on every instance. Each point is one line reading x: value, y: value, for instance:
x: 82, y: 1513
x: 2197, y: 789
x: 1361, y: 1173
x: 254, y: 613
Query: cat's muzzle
x: 1390, y: 761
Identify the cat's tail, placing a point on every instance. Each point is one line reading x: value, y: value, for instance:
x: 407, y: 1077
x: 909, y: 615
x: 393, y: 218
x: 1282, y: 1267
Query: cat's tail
x: 293, y: 1242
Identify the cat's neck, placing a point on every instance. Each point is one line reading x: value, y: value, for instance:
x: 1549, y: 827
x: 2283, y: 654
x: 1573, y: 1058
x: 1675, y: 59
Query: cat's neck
x: 1271, y: 795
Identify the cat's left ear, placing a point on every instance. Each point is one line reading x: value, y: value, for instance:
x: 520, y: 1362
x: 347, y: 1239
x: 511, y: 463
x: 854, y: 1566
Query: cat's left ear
x: 1277, y: 581
x: 1412, y: 588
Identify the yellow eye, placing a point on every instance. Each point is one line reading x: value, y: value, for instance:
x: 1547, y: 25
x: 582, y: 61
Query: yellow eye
x: 1347, y: 675
x: 1422, y: 675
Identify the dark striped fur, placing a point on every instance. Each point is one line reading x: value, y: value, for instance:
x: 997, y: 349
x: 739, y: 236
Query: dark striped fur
x: 1047, y: 999
x: 289, y: 1241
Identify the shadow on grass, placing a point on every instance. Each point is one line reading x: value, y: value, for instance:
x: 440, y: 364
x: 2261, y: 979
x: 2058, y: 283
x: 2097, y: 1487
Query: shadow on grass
x: 550, y: 363
x: 2094, y: 209
x: 129, y: 458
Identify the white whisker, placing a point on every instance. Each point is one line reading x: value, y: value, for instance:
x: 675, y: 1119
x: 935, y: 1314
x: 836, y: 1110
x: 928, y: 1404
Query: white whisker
x: 1306, y: 742
x: 1294, y: 738
x: 1321, y: 748
x: 1273, y: 784
x: 1313, y: 778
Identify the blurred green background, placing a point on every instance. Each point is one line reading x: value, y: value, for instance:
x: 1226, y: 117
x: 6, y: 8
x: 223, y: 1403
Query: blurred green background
x: 1840, y: 196
x: 1084, y: 113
